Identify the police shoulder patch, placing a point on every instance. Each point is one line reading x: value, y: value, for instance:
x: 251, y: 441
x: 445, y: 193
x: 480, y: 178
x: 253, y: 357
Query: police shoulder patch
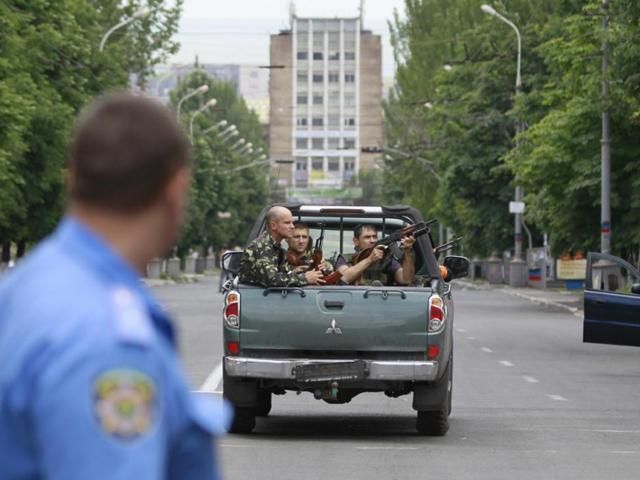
x: 125, y: 403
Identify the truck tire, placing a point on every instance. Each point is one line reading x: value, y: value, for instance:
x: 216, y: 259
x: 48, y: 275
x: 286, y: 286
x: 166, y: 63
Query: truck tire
x: 244, y: 421
x: 263, y: 405
x: 436, y: 422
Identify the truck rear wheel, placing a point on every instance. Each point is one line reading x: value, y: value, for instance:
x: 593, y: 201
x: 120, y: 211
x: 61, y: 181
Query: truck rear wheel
x: 244, y: 420
x: 263, y: 405
x: 434, y: 423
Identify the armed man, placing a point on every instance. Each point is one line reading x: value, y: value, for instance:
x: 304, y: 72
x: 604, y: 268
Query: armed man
x: 91, y: 386
x: 378, y: 267
x: 264, y: 261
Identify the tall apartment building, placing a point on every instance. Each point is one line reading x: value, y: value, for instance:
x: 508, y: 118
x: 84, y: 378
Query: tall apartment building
x: 325, y: 97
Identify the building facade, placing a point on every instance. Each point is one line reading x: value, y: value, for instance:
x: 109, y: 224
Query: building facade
x: 325, y: 102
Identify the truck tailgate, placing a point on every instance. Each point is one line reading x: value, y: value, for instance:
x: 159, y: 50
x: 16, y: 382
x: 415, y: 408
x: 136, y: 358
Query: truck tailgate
x: 333, y: 319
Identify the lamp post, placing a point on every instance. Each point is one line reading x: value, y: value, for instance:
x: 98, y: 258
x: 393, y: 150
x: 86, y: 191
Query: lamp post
x: 198, y: 91
x: 230, y: 131
x: 518, y: 268
x: 210, y: 103
x: 239, y: 143
x: 605, y: 143
x: 141, y: 13
x: 220, y: 124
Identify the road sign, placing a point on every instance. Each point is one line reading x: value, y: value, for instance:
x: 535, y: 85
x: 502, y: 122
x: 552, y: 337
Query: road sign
x: 516, y: 207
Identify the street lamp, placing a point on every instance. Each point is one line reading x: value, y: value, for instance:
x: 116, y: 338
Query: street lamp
x: 141, y: 13
x: 227, y: 132
x: 518, y: 270
x: 210, y: 103
x: 247, y: 148
x: 220, y: 124
x: 240, y: 142
x: 200, y: 90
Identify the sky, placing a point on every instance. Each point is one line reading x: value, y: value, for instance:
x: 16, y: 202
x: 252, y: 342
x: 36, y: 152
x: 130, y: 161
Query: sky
x: 237, y: 31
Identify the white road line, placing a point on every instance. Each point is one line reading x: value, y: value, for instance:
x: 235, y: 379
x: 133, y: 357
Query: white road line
x: 530, y: 379
x: 625, y: 452
x: 386, y: 448
x: 460, y: 330
x: 471, y: 338
x: 559, y: 398
x: 506, y: 363
x: 210, y: 385
x: 486, y: 350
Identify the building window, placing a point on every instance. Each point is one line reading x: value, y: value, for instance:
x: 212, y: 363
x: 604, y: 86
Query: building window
x: 302, y: 143
x: 349, y: 122
x: 334, y: 55
x: 334, y: 77
x: 349, y: 167
x: 301, y: 163
x: 302, y: 77
x: 318, y: 39
x: 318, y: 78
x: 334, y: 165
x: 317, y: 143
x: 349, y: 143
x: 317, y: 55
x: 301, y: 121
x: 349, y: 77
x: 301, y: 100
x: 333, y: 143
x: 349, y: 99
x: 302, y: 55
x: 334, y: 122
x: 317, y: 100
x: 334, y: 98
x: 349, y: 55
x: 303, y: 38
x: 317, y: 163
x: 317, y: 121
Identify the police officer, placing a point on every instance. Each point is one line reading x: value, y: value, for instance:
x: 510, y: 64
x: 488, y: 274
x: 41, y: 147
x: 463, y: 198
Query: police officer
x: 377, y: 267
x: 91, y: 386
x: 263, y: 261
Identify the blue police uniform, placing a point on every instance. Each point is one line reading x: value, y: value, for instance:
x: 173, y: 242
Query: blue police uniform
x: 90, y: 383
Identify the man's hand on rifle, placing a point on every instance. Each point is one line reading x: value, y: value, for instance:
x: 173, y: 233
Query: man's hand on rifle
x: 407, y: 242
x: 301, y: 268
x: 377, y: 254
x: 314, y: 277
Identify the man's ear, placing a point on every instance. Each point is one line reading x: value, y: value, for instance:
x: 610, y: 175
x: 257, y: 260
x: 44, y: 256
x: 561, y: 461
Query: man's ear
x: 178, y: 186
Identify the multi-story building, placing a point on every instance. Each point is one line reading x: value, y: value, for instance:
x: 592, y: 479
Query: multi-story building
x: 325, y: 96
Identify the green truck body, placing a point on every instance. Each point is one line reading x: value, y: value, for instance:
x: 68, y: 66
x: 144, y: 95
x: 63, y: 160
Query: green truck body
x: 339, y: 341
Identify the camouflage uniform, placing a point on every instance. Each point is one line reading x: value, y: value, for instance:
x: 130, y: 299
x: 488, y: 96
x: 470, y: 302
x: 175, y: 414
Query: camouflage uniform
x: 383, y: 271
x: 263, y: 263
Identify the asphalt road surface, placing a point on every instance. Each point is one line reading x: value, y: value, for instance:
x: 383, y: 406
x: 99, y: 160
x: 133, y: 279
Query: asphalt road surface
x: 530, y: 401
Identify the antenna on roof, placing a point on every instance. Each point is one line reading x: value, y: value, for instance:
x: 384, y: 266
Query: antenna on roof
x: 292, y: 12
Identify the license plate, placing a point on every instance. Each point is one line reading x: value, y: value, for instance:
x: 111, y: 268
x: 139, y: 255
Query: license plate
x: 323, y: 372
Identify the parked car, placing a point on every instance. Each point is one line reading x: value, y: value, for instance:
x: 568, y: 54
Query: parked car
x: 339, y: 341
x: 611, y: 301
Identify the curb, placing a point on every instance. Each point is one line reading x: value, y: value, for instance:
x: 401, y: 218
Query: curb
x: 178, y: 280
x: 508, y: 291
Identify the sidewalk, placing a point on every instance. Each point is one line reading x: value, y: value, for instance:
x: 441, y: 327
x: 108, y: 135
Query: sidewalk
x: 570, y: 301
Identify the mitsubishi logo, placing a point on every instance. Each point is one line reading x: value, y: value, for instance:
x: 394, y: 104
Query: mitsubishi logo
x: 333, y: 329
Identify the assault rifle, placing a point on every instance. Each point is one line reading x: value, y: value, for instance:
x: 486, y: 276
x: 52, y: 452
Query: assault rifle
x: 446, y: 246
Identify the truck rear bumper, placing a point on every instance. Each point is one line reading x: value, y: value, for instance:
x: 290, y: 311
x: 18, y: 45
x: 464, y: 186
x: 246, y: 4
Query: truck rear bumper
x: 285, y: 368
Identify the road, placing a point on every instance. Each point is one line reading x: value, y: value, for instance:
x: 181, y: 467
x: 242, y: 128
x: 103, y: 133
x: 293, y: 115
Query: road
x: 530, y: 401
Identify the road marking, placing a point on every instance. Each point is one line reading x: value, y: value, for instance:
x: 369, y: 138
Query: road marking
x: 460, y: 330
x: 530, y: 379
x: 210, y: 385
x: 386, y: 448
x: 506, y: 363
x: 625, y: 452
x: 559, y: 398
x: 486, y: 350
x: 471, y: 338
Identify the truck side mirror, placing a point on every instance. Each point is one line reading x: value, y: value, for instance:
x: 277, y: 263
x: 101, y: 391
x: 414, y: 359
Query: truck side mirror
x: 635, y: 288
x: 231, y: 262
x: 458, y: 266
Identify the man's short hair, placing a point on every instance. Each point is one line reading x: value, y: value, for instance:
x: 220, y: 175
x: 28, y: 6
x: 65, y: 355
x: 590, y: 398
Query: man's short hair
x: 300, y: 226
x: 357, y: 231
x: 124, y: 150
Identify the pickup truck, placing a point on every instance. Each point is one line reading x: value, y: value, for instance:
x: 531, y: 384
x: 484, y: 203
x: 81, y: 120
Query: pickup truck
x: 338, y: 341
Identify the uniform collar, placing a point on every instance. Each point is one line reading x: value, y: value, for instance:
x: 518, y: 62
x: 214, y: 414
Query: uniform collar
x: 89, y: 248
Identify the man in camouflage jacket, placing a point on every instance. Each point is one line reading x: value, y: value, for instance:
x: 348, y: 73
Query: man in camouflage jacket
x: 263, y: 262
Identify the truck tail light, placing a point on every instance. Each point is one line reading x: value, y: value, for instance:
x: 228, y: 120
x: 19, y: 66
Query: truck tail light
x: 233, y: 348
x: 436, y: 314
x: 433, y: 351
x: 231, y: 313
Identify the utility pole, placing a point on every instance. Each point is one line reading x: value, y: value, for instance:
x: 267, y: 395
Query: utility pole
x: 605, y: 162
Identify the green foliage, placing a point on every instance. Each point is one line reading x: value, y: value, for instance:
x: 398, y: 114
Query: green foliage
x: 216, y: 187
x: 50, y: 67
x: 467, y: 136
